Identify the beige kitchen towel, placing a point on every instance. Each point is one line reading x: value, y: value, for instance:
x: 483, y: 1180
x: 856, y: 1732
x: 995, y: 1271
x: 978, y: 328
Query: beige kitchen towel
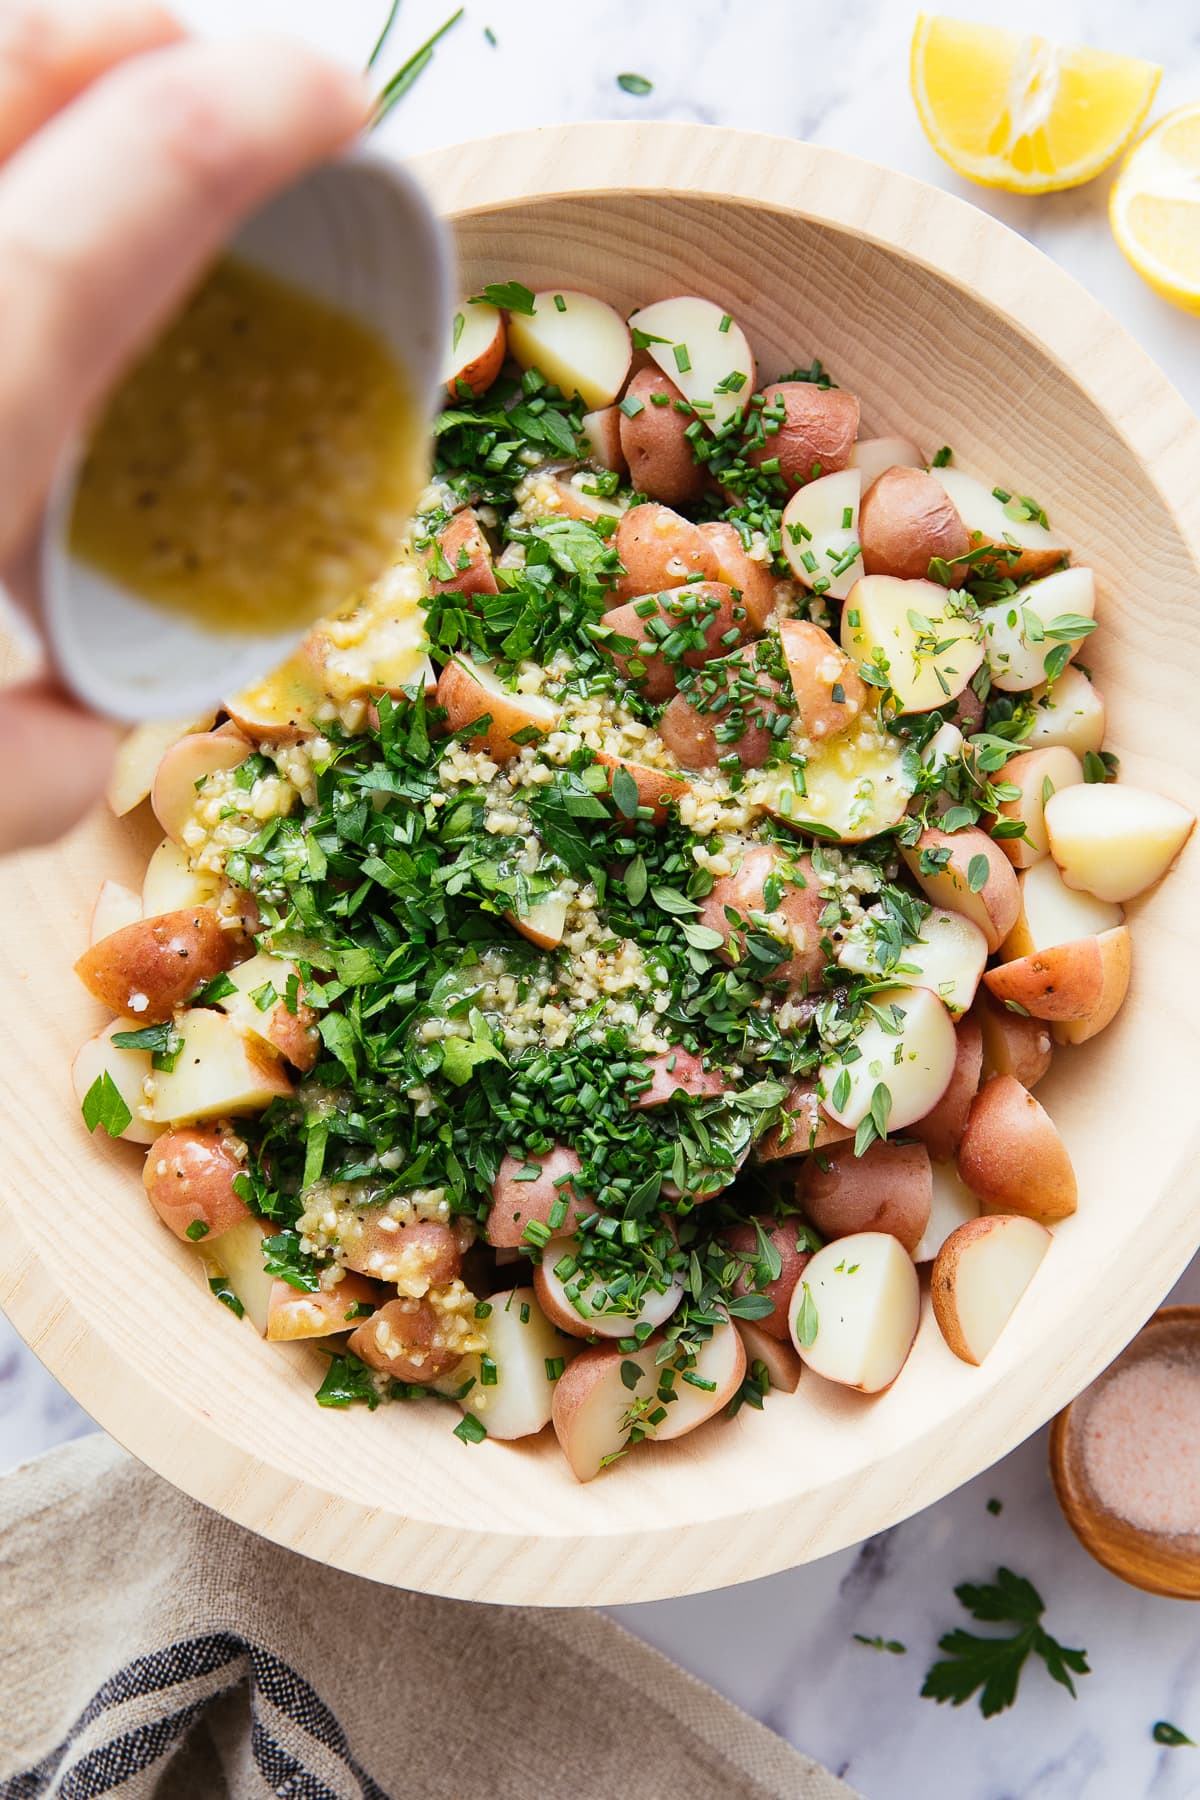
x: 148, y: 1648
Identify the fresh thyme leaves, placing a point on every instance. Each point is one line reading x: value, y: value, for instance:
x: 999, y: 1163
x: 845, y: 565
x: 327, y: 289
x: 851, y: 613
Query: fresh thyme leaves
x: 991, y: 1666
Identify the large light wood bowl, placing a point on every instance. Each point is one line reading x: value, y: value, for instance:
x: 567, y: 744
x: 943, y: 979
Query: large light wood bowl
x: 953, y: 330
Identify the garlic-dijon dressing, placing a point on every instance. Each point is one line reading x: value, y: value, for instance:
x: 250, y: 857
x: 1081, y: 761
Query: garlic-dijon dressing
x: 258, y: 466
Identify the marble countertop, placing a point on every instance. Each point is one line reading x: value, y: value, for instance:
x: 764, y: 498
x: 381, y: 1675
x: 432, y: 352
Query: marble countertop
x: 783, y: 1648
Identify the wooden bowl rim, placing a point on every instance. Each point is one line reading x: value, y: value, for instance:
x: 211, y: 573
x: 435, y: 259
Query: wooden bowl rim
x: 956, y: 241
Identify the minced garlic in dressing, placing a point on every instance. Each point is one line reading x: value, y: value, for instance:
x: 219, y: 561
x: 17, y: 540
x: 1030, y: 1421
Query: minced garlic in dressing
x: 259, y: 464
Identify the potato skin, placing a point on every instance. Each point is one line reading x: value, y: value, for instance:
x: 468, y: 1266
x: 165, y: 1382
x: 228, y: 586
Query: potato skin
x: 463, y: 536
x: 654, y: 444
x: 515, y: 1203
x: 801, y: 906
x: 785, y: 1235
x: 148, y: 969
x: 292, y: 1314
x: 1062, y: 983
x: 1013, y: 1044
x: 941, y: 1130
x: 413, y: 1257
x: 660, y: 549
x: 996, y: 907
x: 816, y: 666
x: 819, y: 428
x: 404, y: 1339
x: 686, y: 1074
x: 657, y: 788
x: 704, y: 606
x: 804, y: 1127
x: 727, y: 689
x: 889, y: 1188
x: 188, y: 1176
x: 943, y: 1277
x: 1011, y: 1156
x: 753, y: 580
x: 904, y: 520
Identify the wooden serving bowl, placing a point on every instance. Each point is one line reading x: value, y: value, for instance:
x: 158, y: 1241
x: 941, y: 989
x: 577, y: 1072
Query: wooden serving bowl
x: 954, y: 330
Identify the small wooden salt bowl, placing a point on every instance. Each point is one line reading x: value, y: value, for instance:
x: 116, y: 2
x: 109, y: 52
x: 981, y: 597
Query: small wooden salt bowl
x: 1149, y: 1560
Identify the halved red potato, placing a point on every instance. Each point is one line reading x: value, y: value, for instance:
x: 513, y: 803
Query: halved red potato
x: 856, y: 1309
x: 170, y: 884
x: 602, y: 430
x: 913, y: 1058
x: 697, y: 622
x: 1013, y: 1043
x: 887, y: 1188
x: 1052, y: 913
x: 525, y: 1350
x: 516, y: 1201
x: 830, y: 694
x: 783, y: 1366
x: 189, y: 1176
x: 980, y: 1273
x: 943, y: 1125
x: 150, y: 968
x: 660, y: 549
x: 116, y: 906
x: 544, y: 922
x: 805, y: 1126
x: 187, y: 764
x: 912, y: 631
x: 854, y: 786
x: 791, y: 1244
x: 240, y: 1260
x: 408, y: 1339
x: 293, y: 1313
x: 577, y: 1305
x: 470, y: 690
x: 990, y: 520
x: 820, y: 533
x: 953, y: 1204
x: 258, y: 1006
x: 1011, y: 1156
x: 657, y: 788
x: 281, y: 708
x: 139, y: 754
x: 475, y: 350
x: 905, y: 519
x: 798, y: 913
x: 1083, y: 979
x: 732, y: 694
x: 947, y: 958
x: 1038, y: 774
x: 678, y: 1071
x: 412, y: 1255
x: 576, y: 341
x: 218, y: 1073
x: 1020, y: 633
x: 703, y: 351
x: 749, y: 577
x: 1116, y: 954
x: 128, y: 1070
x: 653, y: 440
x: 721, y: 1361
x: 973, y: 877
x: 577, y: 496
x: 1070, y: 713
x: 1113, y: 840
x: 815, y: 436
x: 871, y: 456
x: 461, y: 547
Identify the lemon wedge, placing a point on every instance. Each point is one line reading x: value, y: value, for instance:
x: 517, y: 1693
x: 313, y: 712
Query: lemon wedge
x: 1155, y: 207
x: 1019, y: 112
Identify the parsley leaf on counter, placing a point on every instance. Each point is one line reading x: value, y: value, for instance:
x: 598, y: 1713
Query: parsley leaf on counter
x: 1171, y: 1736
x: 991, y: 1666
x: 103, y: 1105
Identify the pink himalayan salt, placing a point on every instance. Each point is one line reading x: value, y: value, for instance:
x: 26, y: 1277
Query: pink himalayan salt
x: 1141, y: 1445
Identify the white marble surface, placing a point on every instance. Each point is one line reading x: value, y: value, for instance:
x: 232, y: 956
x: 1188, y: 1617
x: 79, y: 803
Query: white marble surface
x: 783, y: 1648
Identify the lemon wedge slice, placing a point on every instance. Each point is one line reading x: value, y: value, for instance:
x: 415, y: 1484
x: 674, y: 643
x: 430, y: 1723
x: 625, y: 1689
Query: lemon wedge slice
x: 1022, y: 113
x: 1155, y: 207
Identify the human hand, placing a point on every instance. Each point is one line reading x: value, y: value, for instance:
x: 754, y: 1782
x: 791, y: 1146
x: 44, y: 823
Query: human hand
x: 128, y: 153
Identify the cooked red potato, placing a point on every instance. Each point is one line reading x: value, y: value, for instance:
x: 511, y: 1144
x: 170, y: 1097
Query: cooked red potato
x: 887, y: 1188
x: 790, y: 1242
x: 410, y: 1340
x: 240, y: 1261
x: 1084, y: 980
x: 820, y: 533
x: 1017, y: 639
x: 683, y: 626
x: 293, y: 1314
x: 218, y: 1073
x: 576, y: 341
x: 602, y: 431
x: 971, y: 875
x: 1116, y: 957
x: 519, y: 1196
x: 733, y: 706
x: 543, y: 923
x: 980, y: 1273
x: 905, y: 519
x: 475, y: 352
x: 783, y: 1366
x: 1011, y: 1156
x: 259, y: 1007
x: 795, y: 920
x: 947, y: 958
x: 524, y: 1351
x: 656, y: 788
x: 148, y: 969
x: 703, y: 351
x: 810, y: 431
x: 189, y: 1176
x: 1052, y: 913
x: 1024, y: 547
x: 281, y: 708
x: 139, y: 754
x: 913, y: 631
x: 1013, y: 1043
x: 914, y: 1063
x: 128, y: 1070
x: 470, y: 690
x: 677, y: 1071
x: 1070, y: 713
x: 659, y: 549
x: 829, y: 692
x: 805, y: 1126
x: 749, y: 577
x: 953, y: 1204
x: 856, y: 1309
x: 873, y: 456
x: 1115, y: 841
x: 576, y: 1305
x: 185, y: 767
x: 116, y: 906
x: 943, y: 1125
x: 412, y: 1255
x: 857, y: 784
x: 653, y: 440
x: 1039, y: 774
x: 721, y: 1362
x: 461, y: 562
x: 170, y: 884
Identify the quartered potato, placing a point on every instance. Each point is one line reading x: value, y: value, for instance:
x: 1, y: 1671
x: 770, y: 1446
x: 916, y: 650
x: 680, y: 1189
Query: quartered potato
x: 579, y: 343
x: 704, y: 352
x: 851, y: 788
x: 1024, y: 545
x: 820, y: 533
x: 1021, y: 633
x: 914, y: 633
x: 856, y: 1310
x: 907, y: 1046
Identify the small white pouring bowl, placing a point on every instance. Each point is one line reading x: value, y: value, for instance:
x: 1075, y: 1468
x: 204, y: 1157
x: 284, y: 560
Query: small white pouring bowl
x: 357, y: 233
